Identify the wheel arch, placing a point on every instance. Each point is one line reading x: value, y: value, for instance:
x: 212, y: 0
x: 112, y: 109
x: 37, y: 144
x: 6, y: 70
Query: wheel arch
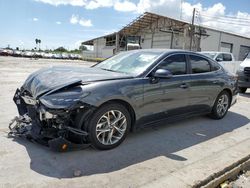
x: 226, y: 90
x: 229, y: 92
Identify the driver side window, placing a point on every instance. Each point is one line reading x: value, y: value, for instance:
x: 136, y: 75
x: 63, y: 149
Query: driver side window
x: 176, y: 64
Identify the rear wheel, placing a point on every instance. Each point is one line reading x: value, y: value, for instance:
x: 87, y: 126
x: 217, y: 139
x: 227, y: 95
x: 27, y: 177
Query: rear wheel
x: 242, y: 89
x: 221, y: 105
x: 109, y: 126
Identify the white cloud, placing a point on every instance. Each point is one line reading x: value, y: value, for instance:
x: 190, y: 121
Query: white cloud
x: 58, y: 23
x: 171, y: 8
x: 85, y: 23
x: 164, y: 7
x: 94, y: 4
x: 35, y: 19
x: 88, y: 4
x: 125, y: 6
x: 216, y: 17
x: 64, y: 2
x: 75, y: 19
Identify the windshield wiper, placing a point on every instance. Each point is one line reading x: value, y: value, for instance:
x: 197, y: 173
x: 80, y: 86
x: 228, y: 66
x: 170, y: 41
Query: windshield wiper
x: 112, y: 70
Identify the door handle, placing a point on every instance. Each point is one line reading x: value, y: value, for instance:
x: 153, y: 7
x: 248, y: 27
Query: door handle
x: 215, y: 82
x: 184, y: 86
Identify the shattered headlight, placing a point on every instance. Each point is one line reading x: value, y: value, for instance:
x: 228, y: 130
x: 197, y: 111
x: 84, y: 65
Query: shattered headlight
x: 62, y: 100
x: 45, y: 115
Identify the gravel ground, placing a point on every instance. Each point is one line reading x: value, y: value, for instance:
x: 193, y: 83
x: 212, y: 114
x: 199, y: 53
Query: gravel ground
x: 243, y: 181
x: 174, y: 155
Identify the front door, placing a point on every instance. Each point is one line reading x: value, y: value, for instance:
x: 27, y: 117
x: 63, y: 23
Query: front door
x: 166, y: 97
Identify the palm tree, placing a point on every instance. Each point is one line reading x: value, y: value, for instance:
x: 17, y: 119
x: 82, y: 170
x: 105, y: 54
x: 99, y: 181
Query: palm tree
x: 38, y: 41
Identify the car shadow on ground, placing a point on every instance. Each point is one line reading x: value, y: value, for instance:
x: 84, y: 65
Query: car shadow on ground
x: 161, y: 140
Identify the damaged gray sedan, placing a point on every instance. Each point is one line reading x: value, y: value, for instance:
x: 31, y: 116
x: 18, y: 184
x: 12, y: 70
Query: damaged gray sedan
x: 74, y: 107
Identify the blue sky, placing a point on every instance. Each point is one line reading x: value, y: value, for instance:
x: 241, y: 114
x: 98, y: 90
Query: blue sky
x: 67, y: 23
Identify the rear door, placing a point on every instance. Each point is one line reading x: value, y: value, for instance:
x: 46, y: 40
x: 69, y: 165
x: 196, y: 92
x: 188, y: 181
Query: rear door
x: 205, y: 83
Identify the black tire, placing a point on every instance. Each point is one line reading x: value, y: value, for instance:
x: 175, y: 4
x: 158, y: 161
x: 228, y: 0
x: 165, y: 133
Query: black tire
x: 95, y: 118
x: 215, y: 114
x: 242, y: 89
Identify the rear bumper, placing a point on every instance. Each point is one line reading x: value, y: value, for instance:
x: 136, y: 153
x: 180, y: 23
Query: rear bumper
x: 243, y: 80
x: 234, y: 99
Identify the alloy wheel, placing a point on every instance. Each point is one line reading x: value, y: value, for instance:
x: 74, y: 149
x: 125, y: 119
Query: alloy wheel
x: 111, y: 127
x: 222, y: 105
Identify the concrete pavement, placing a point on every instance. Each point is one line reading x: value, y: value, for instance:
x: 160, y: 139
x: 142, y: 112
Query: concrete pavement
x: 176, y: 155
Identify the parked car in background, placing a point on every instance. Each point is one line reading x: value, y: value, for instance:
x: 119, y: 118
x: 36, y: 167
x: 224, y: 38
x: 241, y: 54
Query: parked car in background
x: 226, y: 59
x: 47, y: 55
x: 37, y: 55
x: 219, y: 56
x: 244, y: 75
x: 28, y: 54
x: 65, y: 56
x: 100, y: 105
x: 4, y: 52
x: 17, y: 53
x: 75, y: 56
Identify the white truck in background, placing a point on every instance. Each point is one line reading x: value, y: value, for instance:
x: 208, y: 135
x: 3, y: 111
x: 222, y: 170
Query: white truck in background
x: 244, y: 74
x: 226, y: 59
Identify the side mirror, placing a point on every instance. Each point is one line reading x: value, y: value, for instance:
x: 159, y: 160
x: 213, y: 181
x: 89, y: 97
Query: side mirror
x: 219, y: 59
x: 162, y: 73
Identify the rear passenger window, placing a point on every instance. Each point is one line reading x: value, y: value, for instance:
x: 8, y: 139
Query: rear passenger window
x: 214, y: 66
x: 227, y: 57
x: 199, y: 64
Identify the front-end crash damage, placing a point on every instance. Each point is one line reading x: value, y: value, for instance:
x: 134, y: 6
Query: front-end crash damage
x: 54, y: 119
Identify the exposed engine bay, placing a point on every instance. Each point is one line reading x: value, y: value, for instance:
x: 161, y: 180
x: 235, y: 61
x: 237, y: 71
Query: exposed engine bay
x: 54, y: 128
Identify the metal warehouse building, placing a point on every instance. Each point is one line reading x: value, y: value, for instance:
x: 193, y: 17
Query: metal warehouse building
x: 155, y: 31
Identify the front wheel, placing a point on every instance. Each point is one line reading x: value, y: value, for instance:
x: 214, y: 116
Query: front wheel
x: 221, y: 106
x: 109, y: 126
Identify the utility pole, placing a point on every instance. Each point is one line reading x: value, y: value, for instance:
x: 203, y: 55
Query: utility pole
x: 192, y: 30
x: 181, y: 10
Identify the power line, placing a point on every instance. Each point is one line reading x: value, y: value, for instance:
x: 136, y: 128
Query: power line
x: 225, y: 22
x: 227, y: 18
x: 224, y: 19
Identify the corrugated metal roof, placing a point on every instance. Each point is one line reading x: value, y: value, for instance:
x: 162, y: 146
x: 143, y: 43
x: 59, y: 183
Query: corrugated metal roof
x: 145, y: 20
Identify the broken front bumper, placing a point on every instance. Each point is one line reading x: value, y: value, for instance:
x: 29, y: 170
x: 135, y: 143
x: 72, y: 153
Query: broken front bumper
x: 37, y: 124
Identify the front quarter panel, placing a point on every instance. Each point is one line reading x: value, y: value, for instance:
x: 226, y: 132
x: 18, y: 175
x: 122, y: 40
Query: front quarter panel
x: 128, y: 90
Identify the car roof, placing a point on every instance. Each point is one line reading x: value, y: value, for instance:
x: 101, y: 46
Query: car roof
x: 215, y: 52
x: 162, y: 51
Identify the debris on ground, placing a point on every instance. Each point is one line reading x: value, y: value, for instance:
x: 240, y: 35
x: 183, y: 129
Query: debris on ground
x: 77, y: 173
x: 242, y: 181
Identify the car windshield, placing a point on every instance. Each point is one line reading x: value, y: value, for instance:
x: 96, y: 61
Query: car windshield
x: 130, y: 62
x: 211, y: 54
x: 248, y: 56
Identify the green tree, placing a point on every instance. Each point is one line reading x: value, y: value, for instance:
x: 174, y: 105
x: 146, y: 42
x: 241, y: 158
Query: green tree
x: 61, y: 49
x: 38, y: 41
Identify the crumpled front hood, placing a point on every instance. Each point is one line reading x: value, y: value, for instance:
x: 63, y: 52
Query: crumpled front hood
x: 48, y: 79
